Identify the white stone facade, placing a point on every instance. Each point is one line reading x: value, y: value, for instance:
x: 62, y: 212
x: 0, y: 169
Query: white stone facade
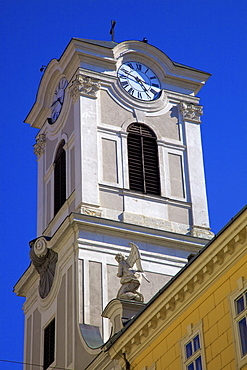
x: 101, y: 215
x: 94, y: 121
x: 85, y: 281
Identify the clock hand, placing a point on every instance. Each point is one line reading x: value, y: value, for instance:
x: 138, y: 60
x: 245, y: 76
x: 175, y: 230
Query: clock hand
x: 135, y: 79
x: 131, y: 79
x: 141, y: 83
x: 138, y: 80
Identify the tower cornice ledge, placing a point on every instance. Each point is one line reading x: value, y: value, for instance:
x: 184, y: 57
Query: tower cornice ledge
x: 76, y: 222
x: 137, y: 231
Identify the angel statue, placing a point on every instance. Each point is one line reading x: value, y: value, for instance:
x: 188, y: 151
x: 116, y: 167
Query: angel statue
x: 130, y: 278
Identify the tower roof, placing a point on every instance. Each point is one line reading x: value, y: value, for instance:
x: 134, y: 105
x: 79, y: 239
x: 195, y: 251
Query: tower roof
x: 105, y: 44
x: 112, y: 44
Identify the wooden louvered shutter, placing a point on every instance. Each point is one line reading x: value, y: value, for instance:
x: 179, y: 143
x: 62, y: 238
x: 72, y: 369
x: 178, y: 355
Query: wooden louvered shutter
x: 59, y: 178
x: 135, y: 163
x: 143, y: 159
x: 49, y: 344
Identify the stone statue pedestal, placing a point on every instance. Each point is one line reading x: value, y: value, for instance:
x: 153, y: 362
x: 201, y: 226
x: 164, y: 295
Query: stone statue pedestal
x: 119, y: 312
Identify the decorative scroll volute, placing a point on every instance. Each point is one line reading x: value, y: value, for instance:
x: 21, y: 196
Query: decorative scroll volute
x: 44, y: 260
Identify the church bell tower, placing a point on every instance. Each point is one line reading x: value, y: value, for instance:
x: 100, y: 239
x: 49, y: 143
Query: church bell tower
x: 119, y: 161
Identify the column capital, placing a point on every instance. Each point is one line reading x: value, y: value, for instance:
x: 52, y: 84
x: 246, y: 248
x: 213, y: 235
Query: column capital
x: 39, y: 146
x: 83, y: 85
x: 191, y: 112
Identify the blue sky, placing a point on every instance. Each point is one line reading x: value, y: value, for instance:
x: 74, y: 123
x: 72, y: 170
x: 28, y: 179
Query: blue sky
x: 209, y: 35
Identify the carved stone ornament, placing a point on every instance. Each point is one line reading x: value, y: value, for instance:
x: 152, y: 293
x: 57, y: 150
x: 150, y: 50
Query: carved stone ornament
x: 91, y: 211
x: 39, y: 147
x: 44, y: 260
x: 130, y: 279
x: 83, y: 85
x: 191, y: 111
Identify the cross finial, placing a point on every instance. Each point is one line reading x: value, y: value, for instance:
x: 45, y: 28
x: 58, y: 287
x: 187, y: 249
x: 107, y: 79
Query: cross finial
x: 113, y: 24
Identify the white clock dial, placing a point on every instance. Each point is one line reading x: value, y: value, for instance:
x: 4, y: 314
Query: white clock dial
x: 139, y: 81
x: 58, y: 100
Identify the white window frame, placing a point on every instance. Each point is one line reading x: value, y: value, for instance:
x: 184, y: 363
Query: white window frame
x: 192, y: 332
x: 235, y: 318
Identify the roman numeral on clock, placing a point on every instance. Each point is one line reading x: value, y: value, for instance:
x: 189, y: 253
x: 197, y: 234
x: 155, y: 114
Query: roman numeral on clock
x: 124, y: 83
x: 153, y: 91
x: 130, y: 65
x: 139, y: 81
x: 124, y: 70
x: 131, y: 91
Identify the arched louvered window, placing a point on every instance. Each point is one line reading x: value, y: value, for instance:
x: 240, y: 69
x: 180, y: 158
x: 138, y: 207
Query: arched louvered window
x: 143, y: 159
x: 59, y: 178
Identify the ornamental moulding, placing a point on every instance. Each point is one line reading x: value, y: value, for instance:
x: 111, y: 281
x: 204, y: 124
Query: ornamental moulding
x: 191, y: 112
x: 39, y: 146
x: 91, y: 211
x: 83, y: 85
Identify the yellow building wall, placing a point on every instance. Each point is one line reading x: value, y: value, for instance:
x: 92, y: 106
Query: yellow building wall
x: 213, y: 308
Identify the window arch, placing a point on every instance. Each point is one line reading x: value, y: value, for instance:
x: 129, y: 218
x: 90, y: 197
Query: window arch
x: 143, y: 159
x: 59, y: 178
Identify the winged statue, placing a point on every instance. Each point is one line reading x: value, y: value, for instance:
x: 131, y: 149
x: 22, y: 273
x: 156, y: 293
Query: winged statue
x: 130, y: 278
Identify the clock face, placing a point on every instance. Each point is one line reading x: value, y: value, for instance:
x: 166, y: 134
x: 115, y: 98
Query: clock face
x: 58, y: 100
x: 139, y: 81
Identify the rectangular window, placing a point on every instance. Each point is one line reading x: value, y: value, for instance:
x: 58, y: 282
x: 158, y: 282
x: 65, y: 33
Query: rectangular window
x: 241, y: 319
x: 238, y: 304
x: 143, y: 159
x: 49, y: 344
x: 193, y: 354
x: 59, y: 178
x: 192, y: 349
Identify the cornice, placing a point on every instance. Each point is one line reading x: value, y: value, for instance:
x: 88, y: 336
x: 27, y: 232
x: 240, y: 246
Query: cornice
x: 176, y: 97
x: 75, y: 222
x: 29, y: 277
x: 109, y: 83
x: 84, y: 50
x: 104, y: 61
x: 181, y: 291
x: 127, y: 47
x: 136, y: 232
